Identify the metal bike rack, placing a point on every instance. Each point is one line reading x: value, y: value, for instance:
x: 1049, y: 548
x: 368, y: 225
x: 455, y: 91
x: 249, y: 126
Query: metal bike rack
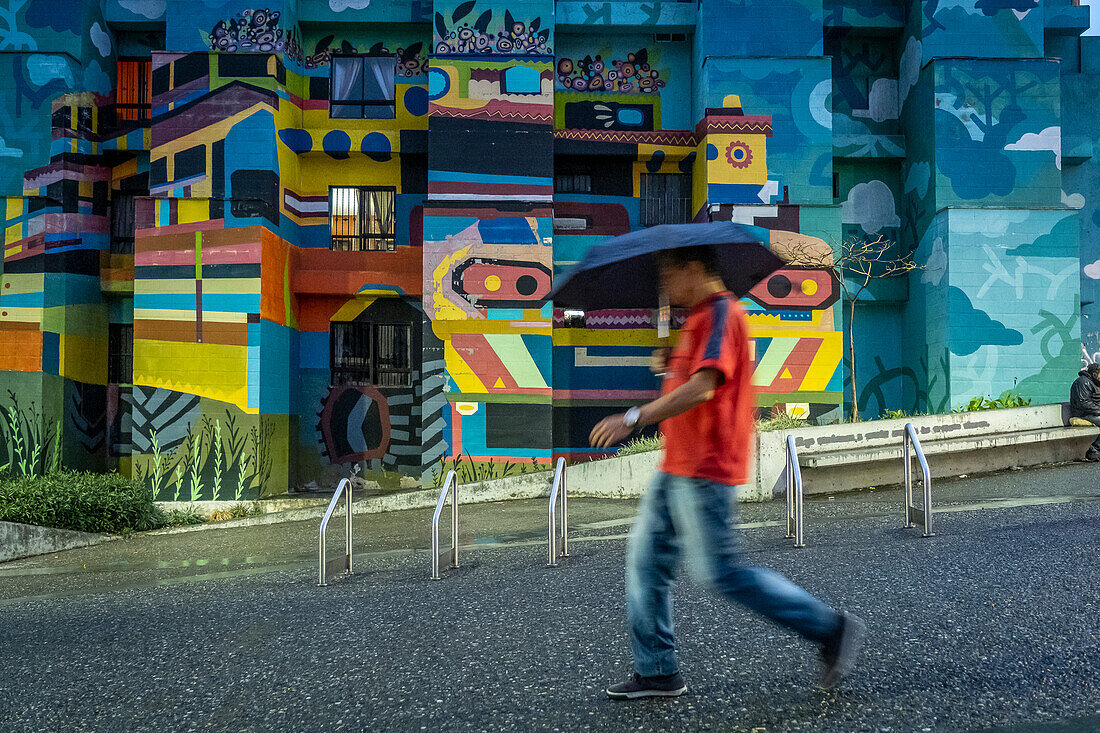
x: 558, y: 487
x: 913, y: 514
x: 338, y: 563
x: 794, y: 495
x: 450, y: 485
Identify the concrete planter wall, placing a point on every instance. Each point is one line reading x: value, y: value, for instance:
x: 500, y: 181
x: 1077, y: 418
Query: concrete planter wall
x: 990, y: 456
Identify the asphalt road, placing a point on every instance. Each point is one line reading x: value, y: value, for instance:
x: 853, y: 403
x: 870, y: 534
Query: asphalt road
x: 990, y: 625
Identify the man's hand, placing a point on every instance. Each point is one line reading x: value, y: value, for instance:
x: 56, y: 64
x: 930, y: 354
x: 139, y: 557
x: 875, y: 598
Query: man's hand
x: 658, y: 361
x: 609, y: 431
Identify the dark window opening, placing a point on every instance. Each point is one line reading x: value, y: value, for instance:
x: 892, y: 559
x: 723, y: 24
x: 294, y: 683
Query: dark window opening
x: 120, y: 353
x: 122, y: 223
x: 370, y: 353
x: 362, y: 87
x: 665, y: 198
x: 362, y: 218
x: 572, y: 183
x: 599, y: 175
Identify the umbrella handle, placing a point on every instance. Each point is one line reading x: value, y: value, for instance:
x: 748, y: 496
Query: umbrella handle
x: 664, y: 317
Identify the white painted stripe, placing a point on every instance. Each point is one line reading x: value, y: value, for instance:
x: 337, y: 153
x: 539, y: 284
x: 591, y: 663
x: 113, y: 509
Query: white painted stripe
x: 487, y: 197
x: 583, y: 359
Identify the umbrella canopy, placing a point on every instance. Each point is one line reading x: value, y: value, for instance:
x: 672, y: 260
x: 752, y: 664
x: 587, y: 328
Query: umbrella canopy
x: 622, y: 272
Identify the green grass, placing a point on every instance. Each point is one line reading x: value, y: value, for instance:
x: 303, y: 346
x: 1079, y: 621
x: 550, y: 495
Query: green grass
x: 183, y: 517
x: 781, y: 421
x: 85, y: 502
x: 641, y: 444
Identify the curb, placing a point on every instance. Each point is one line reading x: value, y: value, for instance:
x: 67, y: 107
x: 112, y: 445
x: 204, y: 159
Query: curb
x: 18, y: 541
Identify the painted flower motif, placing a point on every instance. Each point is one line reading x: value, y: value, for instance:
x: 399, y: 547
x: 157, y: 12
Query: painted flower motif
x: 738, y: 154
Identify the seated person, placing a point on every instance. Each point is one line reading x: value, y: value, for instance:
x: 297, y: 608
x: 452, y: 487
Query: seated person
x: 1084, y: 403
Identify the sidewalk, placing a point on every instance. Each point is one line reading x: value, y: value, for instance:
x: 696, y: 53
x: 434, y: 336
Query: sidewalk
x: 989, y: 624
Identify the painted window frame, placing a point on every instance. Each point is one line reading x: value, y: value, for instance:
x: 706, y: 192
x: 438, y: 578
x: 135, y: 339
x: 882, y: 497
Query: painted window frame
x: 364, y: 240
x: 363, y: 104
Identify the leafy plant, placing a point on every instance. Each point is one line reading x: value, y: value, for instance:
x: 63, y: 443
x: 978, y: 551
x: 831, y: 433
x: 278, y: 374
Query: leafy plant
x: 1008, y: 399
x: 85, y: 502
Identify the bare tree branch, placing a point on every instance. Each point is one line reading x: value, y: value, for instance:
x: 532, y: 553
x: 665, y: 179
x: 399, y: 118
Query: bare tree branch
x: 854, y: 264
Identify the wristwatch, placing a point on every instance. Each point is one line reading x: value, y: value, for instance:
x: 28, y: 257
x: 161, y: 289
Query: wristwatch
x: 630, y: 419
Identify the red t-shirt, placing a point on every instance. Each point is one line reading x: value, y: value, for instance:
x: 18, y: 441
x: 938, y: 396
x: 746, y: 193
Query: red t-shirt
x: 714, y: 440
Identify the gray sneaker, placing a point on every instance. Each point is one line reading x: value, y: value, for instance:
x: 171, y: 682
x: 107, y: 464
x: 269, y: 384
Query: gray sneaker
x: 839, y: 653
x: 670, y: 685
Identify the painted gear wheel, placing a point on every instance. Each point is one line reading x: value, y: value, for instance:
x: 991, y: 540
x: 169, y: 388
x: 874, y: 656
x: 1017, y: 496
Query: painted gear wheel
x: 738, y: 154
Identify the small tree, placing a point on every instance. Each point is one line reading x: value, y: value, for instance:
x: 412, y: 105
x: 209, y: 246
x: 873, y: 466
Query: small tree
x: 854, y: 264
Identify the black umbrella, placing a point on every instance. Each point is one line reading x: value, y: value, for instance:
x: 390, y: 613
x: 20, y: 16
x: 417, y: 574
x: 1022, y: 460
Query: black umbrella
x: 622, y: 272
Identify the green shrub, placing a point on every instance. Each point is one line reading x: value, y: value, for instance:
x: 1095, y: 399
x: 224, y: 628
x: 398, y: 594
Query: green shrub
x: 86, y: 502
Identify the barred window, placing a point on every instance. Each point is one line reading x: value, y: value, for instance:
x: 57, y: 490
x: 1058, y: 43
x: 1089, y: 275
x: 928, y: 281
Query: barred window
x: 134, y: 95
x: 370, y: 353
x: 362, y: 87
x: 666, y: 198
x: 361, y: 217
x: 572, y: 183
x: 120, y: 353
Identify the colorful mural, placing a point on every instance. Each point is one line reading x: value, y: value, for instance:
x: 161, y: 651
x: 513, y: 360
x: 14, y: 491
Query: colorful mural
x: 176, y: 300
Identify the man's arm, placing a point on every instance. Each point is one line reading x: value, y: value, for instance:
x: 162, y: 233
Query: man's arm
x: 687, y: 396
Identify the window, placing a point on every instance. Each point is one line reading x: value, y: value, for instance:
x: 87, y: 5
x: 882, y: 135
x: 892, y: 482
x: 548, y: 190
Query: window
x: 122, y: 223
x: 370, y: 353
x: 134, y: 96
x: 361, y: 87
x: 361, y: 218
x: 120, y: 353
x: 666, y: 198
x: 572, y: 183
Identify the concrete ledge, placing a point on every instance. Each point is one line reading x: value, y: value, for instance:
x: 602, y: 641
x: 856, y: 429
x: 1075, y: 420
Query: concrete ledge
x: 856, y: 455
x: 939, y: 447
x: 27, y: 540
x: 260, y: 506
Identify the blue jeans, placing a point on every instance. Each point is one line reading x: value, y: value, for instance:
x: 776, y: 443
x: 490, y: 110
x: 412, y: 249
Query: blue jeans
x: 1095, y: 420
x: 698, y: 515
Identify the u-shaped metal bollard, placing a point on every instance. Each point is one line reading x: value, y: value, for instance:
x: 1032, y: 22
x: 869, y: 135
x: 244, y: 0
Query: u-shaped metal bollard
x: 450, y: 485
x: 794, y: 495
x: 913, y: 513
x: 558, y: 487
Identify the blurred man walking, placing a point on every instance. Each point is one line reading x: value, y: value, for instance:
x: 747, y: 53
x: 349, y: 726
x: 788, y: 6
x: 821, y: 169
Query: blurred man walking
x: 706, y: 413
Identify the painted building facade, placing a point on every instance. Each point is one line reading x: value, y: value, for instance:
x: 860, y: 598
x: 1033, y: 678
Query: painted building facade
x: 248, y: 246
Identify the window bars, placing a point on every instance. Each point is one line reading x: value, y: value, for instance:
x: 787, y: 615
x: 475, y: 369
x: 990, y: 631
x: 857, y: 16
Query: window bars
x: 363, y: 352
x: 361, y: 218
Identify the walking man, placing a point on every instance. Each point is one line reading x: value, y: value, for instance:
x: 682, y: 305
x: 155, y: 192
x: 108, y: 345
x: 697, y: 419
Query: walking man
x: 706, y: 413
x: 1084, y: 403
